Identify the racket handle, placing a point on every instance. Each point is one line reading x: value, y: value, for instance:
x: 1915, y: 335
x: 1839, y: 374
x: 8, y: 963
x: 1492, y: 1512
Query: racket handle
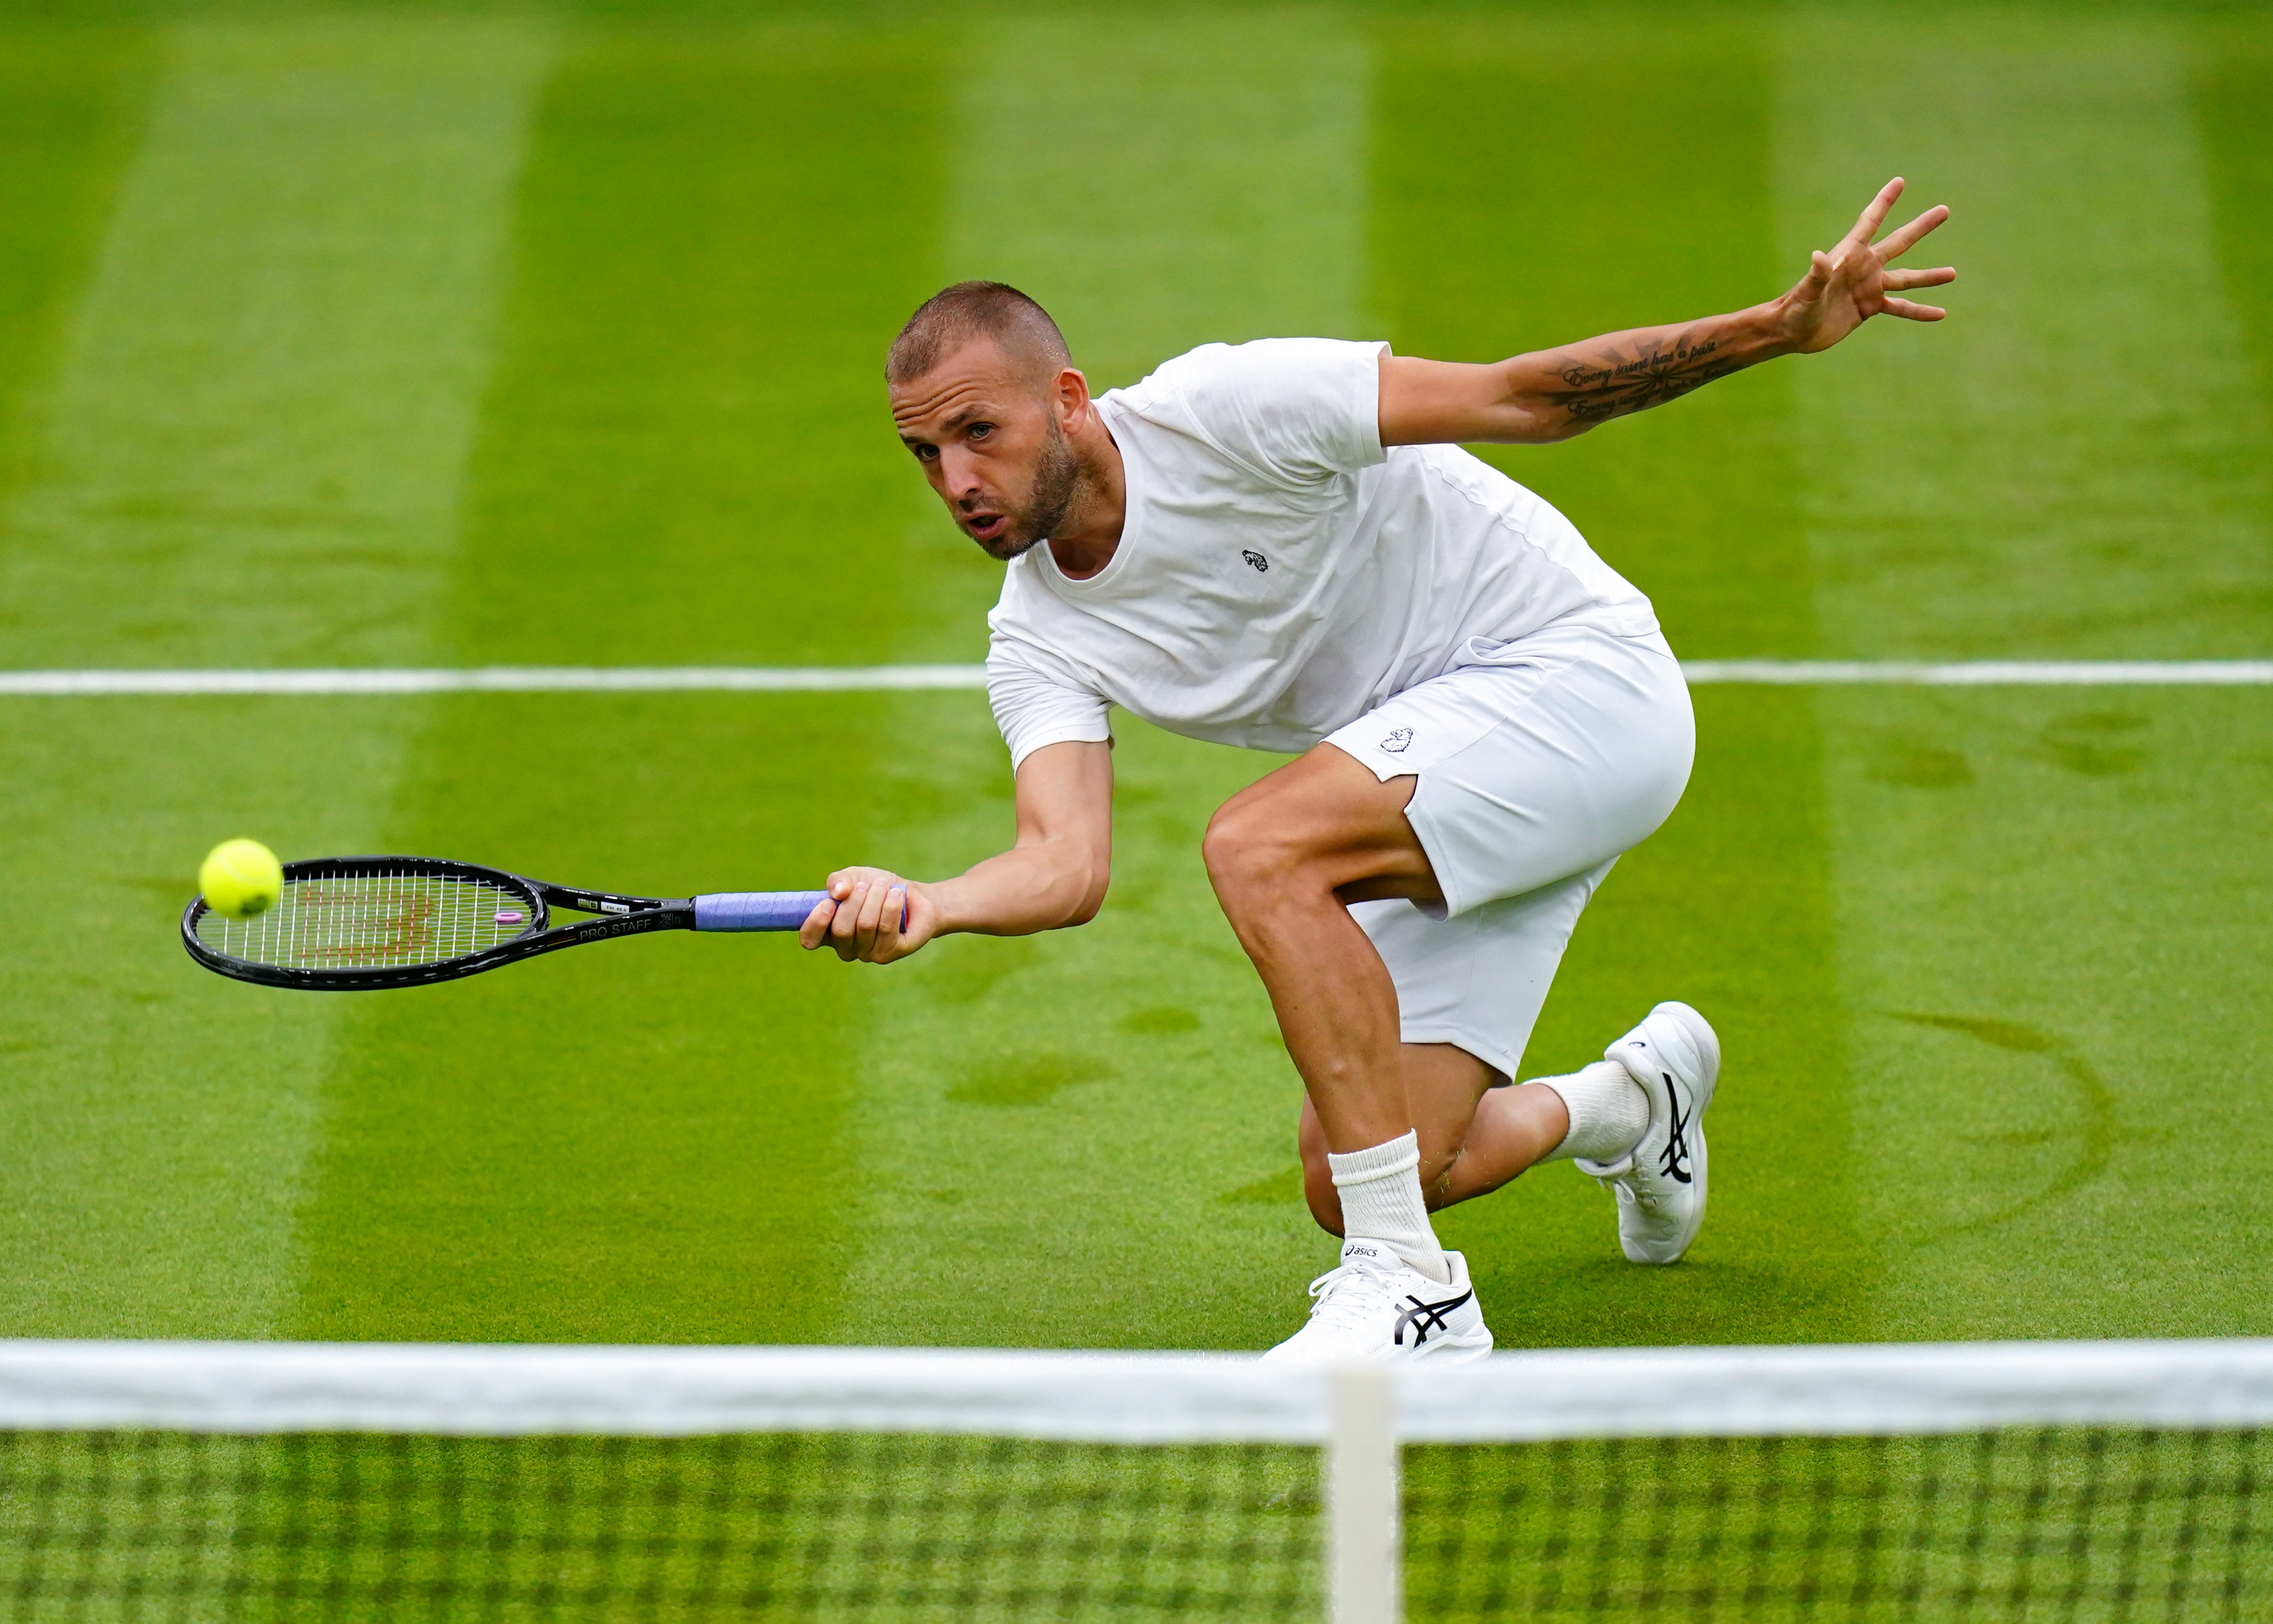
x: 760, y: 910
x: 755, y: 911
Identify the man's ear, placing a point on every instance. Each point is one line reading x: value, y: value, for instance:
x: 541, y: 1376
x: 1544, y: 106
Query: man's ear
x: 1069, y: 393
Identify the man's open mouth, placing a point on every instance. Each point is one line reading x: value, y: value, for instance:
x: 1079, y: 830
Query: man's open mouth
x: 985, y: 527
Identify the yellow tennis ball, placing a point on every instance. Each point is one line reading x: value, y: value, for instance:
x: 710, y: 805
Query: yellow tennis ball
x: 241, y: 878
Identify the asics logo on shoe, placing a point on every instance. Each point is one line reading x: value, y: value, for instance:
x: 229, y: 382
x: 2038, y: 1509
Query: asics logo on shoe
x: 1676, y: 1147
x: 1421, y: 1318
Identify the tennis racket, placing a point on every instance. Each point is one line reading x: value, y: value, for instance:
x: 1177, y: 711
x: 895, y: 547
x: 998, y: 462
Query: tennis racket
x: 346, y: 924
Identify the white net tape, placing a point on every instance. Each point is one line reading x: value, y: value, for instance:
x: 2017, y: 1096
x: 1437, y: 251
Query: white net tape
x: 1887, y: 1390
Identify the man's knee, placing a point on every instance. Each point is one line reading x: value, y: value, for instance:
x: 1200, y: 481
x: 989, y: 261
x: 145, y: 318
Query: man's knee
x: 1246, y: 850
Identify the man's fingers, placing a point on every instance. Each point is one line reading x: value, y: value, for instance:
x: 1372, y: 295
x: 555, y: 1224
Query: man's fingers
x: 888, y: 927
x: 815, y: 930
x: 843, y: 929
x: 1915, y: 313
x: 1875, y: 214
x: 1896, y: 281
x: 848, y: 908
x: 1901, y: 242
x: 865, y: 917
x: 871, y: 915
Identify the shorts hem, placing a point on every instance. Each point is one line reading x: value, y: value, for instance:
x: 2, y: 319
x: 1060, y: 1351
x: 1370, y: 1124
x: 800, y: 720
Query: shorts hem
x: 1436, y: 912
x: 1461, y: 1037
x: 1432, y: 843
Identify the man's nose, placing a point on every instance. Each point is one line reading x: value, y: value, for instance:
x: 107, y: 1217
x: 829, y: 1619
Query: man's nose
x: 959, y: 476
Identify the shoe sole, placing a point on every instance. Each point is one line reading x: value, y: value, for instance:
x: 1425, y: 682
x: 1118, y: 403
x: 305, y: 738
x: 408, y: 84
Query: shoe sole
x: 1452, y: 1354
x: 1458, y: 1353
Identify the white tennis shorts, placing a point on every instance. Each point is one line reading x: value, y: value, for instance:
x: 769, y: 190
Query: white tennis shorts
x: 1539, y: 761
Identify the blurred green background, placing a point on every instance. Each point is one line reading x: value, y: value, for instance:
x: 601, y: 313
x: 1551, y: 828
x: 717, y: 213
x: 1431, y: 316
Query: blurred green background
x: 425, y: 335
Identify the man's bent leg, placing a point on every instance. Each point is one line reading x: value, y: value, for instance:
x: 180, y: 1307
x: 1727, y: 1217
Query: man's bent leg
x: 1474, y: 1137
x: 1286, y: 857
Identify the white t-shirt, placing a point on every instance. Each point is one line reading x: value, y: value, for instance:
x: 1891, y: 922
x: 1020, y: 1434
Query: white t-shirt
x: 1278, y: 574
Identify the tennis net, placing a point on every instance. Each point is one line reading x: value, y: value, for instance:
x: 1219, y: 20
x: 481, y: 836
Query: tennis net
x: 2023, y: 1481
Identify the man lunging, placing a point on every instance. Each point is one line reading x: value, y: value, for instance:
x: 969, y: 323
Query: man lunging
x: 1278, y: 545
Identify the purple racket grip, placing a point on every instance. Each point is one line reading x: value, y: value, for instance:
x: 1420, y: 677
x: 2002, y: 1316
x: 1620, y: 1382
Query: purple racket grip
x: 755, y: 911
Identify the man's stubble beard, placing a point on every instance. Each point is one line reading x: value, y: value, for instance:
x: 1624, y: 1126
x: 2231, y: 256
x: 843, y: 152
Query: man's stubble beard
x: 1057, y: 479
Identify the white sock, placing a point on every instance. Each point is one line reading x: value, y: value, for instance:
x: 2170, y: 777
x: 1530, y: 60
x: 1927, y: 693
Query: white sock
x: 1608, y: 1110
x: 1381, y: 1201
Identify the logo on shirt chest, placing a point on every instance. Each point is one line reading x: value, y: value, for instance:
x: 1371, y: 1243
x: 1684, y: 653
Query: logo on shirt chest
x: 1256, y: 561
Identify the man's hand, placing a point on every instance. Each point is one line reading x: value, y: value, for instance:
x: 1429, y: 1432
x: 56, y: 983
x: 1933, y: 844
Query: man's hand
x: 1056, y: 875
x: 862, y: 918
x: 1845, y: 287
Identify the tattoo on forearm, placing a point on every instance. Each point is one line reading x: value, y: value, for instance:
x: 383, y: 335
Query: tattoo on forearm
x: 1611, y: 384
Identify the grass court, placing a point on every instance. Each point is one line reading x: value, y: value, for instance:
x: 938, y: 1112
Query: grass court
x: 434, y: 335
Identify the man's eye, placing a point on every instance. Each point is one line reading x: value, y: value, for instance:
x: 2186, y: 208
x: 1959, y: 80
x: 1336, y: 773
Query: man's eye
x: 980, y: 430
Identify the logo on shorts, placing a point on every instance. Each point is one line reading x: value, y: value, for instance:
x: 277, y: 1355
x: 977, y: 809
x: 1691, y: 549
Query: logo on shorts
x: 1396, y: 742
x: 1256, y: 561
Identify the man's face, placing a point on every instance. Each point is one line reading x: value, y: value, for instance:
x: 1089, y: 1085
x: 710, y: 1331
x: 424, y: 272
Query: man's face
x: 988, y: 437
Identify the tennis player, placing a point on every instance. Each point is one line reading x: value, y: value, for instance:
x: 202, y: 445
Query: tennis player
x: 1278, y: 545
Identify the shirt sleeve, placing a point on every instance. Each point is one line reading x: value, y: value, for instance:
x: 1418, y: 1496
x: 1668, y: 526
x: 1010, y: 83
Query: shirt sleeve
x: 1298, y: 411
x: 1040, y: 699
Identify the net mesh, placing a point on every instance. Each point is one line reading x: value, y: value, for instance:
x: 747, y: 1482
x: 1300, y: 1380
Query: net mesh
x: 2023, y: 1525
x: 871, y: 1484
x: 381, y: 919
x: 115, y: 1526
x: 2070, y: 1525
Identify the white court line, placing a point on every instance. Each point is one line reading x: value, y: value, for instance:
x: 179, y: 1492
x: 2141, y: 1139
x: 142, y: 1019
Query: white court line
x: 1986, y: 673
x: 882, y: 678
x: 510, y: 679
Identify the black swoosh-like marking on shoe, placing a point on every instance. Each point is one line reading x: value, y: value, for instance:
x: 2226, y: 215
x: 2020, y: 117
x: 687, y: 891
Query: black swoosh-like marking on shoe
x: 1676, y: 1146
x: 1421, y: 1318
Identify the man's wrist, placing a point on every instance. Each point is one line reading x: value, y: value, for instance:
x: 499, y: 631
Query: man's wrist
x: 947, y: 919
x: 1775, y: 328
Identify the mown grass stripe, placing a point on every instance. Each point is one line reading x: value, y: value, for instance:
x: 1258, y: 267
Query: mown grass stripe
x: 243, y: 441
x: 893, y: 678
x: 717, y: 228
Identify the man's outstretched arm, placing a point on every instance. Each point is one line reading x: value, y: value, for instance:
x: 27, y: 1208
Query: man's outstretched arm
x: 1552, y: 395
x: 1056, y: 874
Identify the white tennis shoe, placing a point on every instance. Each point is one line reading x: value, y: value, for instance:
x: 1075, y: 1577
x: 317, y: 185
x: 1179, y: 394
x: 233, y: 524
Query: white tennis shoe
x: 1375, y: 1309
x: 1660, y: 1183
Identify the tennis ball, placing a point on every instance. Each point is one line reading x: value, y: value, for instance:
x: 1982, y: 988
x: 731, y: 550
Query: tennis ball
x: 241, y: 878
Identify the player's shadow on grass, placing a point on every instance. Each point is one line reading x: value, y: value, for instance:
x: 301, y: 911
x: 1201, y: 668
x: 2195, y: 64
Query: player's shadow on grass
x: 2094, y: 1116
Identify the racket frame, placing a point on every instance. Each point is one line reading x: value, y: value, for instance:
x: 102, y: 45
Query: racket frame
x: 619, y: 914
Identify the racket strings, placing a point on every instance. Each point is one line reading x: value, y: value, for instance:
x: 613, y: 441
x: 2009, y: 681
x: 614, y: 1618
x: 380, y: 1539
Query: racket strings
x: 380, y: 919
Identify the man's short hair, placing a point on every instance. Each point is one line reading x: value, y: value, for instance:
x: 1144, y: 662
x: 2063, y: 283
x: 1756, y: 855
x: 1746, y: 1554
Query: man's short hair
x: 954, y: 316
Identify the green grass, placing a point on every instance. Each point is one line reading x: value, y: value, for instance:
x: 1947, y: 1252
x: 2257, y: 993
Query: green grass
x: 420, y: 336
